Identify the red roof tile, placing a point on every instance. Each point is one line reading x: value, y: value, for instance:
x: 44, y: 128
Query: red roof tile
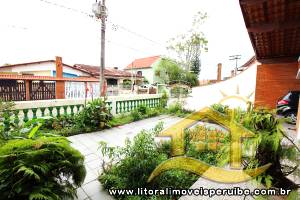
x: 107, y: 71
x: 142, y: 63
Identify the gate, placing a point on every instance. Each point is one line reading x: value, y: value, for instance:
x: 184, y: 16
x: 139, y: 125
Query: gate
x: 42, y: 90
x: 12, y: 90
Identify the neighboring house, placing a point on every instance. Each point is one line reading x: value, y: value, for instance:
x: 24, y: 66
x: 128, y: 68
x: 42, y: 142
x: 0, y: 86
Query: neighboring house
x: 42, y: 68
x: 60, y: 81
x: 113, y: 76
x: 145, y: 67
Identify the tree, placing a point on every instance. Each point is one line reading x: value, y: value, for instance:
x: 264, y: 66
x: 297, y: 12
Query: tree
x: 169, y: 70
x: 196, y: 65
x: 189, y: 46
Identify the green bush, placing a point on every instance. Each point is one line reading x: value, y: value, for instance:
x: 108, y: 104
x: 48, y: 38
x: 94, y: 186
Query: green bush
x: 265, y: 146
x: 136, y: 115
x: 131, y: 166
x: 7, y: 125
x: 57, y: 123
x: 45, y: 168
x: 154, y: 112
x: 139, y: 113
x: 164, y: 99
x: 140, y: 159
x: 177, y: 109
x: 93, y: 117
x: 142, y: 109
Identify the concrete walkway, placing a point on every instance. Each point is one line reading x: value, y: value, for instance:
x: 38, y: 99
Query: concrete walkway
x: 88, y: 145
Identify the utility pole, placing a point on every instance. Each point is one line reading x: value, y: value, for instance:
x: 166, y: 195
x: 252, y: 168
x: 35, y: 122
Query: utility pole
x: 236, y: 58
x: 99, y: 10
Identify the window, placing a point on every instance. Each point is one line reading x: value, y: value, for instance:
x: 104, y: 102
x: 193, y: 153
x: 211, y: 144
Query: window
x: 140, y: 73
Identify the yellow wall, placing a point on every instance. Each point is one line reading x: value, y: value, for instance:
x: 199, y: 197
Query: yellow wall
x: 38, y: 73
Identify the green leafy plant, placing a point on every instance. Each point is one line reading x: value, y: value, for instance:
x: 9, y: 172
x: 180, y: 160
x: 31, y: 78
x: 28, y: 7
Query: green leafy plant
x: 44, y: 168
x: 94, y: 116
x: 266, y: 146
x: 136, y: 115
x: 7, y: 125
x: 177, y: 109
x: 130, y: 166
x: 164, y: 99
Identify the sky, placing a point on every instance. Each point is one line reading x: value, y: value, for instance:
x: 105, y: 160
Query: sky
x: 34, y: 30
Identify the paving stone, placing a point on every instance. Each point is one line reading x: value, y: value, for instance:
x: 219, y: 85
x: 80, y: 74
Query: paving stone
x: 103, y: 195
x: 92, y: 188
x: 90, y: 157
x: 90, y: 176
x: 81, y: 194
x: 95, y: 164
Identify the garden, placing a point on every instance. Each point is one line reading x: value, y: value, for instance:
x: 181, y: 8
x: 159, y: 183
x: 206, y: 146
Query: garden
x: 37, y: 161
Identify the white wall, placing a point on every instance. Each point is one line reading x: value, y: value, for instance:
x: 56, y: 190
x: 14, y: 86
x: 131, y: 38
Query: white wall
x: 207, y: 95
x: 148, y: 73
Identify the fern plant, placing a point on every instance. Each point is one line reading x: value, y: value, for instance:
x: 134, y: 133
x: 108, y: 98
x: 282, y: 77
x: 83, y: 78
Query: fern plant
x: 44, y: 168
x: 265, y: 147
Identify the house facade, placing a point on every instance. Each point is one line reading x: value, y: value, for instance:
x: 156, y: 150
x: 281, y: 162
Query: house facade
x: 145, y: 67
x: 42, y: 68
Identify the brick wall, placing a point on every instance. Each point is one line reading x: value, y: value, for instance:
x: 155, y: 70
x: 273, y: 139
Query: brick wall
x: 274, y: 81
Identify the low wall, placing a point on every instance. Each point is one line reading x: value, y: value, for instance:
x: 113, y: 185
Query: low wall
x: 241, y: 85
x: 26, y: 110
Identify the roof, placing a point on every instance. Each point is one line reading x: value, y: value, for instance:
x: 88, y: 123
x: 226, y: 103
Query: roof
x: 112, y: 72
x: 39, y: 62
x: 142, y: 63
x: 274, y: 29
x: 248, y: 63
x: 46, y: 78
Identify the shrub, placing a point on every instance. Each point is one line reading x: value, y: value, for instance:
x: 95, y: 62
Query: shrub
x: 6, y: 123
x: 142, y: 109
x: 178, y: 109
x: 154, y: 112
x: 93, y: 117
x: 136, y: 115
x: 164, y: 99
x: 140, y: 158
x: 131, y: 166
x: 45, y: 168
x: 139, y: 113
x: 266, y: 147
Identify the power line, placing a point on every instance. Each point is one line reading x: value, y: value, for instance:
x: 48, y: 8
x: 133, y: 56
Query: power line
x: 114, y: 25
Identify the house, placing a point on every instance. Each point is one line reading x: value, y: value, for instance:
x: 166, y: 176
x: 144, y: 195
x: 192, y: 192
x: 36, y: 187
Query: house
x: 42, y: 68
x: 145, y: 67
x: 113, y: 76
x: 271, y: 26
x: 52, y: 79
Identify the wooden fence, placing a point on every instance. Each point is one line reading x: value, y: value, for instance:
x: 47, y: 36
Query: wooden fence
x: 42, y: 90
x: 12, y: 90
x: 15, y: 90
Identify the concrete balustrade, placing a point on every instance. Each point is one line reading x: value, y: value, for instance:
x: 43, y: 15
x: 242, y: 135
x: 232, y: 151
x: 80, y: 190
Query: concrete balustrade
x: 26, y: 110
